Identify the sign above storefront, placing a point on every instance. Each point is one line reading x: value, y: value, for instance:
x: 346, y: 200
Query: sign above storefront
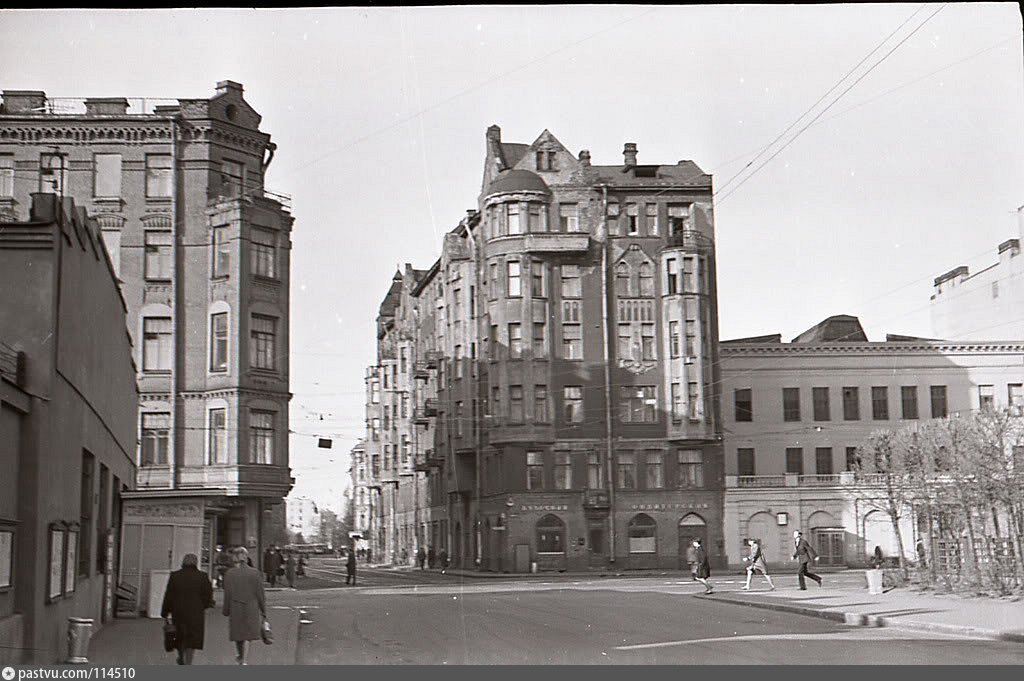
x: 669, y: 506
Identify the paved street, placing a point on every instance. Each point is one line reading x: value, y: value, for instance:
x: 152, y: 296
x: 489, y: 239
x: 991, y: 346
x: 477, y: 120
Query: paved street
x: 408, y: 617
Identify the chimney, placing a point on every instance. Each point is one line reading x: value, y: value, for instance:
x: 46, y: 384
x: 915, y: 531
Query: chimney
x: 494, y: 134
x: 225, y: 86
x: 106, y: 106
x: 24, y: 101
x: 584, y: 157
x: 44, y: 207
x: 629, y: 154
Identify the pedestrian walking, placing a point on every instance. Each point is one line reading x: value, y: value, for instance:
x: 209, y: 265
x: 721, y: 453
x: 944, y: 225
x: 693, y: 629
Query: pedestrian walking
x: 223, y: 564
x: 405, y: 556
x: 703, y: 566
x: 431, y: 557
x: 300, y: 571
x: 691, y: 560
x: 273, y: 566
x: 265, y: 565
x: 245, y: 604
x: 922, y: 554
x: 421, y: 557
x: 442, y: 558
x: 805, y: 553
x: 188, y: 595
x: 758, y: 563
x: 290, y: 567
x: 350, y: 567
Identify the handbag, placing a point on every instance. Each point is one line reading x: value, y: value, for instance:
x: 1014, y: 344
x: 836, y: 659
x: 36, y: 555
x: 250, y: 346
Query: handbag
x: 170, y: 636
x: 266, y: 634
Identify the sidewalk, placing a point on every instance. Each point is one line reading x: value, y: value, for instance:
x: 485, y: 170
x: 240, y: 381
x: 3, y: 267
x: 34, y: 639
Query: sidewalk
x: 139, y: 642
x: 902, y: 608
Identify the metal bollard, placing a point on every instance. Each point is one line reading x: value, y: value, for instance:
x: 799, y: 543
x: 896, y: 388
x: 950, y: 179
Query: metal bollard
x: 79, y: 634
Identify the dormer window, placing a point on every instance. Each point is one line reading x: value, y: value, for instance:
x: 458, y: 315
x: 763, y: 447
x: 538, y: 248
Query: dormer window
x: 547, y: 160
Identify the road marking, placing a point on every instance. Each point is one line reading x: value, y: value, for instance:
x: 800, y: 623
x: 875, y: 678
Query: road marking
x: 859, y: 635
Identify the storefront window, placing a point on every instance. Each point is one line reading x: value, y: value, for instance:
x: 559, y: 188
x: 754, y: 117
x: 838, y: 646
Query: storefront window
x: 642, y: 534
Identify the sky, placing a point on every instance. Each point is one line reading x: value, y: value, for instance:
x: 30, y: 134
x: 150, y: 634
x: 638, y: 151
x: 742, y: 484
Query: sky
x: 907, y: 163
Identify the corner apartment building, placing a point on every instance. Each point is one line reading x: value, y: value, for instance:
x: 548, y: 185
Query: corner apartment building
x: 303, y: 518
x: 796, y: 413
x: 68, y: 405
x: 985, y: 304
x: 548, y: 389
x: 202, y: 252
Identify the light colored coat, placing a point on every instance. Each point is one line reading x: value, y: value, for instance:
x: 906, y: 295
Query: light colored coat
x: 244, y: 603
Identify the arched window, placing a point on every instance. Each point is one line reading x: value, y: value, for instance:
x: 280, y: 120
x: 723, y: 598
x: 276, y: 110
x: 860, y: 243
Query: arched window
x: 622, y: 287
x: 550, y: 534
x: 643, y: 534
x: 647, y: 280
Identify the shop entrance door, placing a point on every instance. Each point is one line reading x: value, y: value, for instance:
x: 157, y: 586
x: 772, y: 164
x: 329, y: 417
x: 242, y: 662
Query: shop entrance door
x: 829, y: 544
x: 597, y: 548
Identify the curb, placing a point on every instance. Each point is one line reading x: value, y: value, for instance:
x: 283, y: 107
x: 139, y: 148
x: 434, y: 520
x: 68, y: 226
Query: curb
x: 857, y: 619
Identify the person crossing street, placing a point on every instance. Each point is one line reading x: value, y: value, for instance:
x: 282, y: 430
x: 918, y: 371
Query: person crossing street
x: 806, y: 554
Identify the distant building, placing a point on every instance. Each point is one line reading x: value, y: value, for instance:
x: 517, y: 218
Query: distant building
x: 202, y: 250
x: 68, y: 405
x: 795, y: 413
x: 364, y: 497
x: 303, y: 516
x: 547, y: 391
x: 986, y: 304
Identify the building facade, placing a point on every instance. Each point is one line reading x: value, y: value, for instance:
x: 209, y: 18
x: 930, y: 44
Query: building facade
x: 303, y: 518
x: 68, y: 403
x: 202, y: 252
x: 548, y: 389
x: 797, y: 412
x: 986, y: 304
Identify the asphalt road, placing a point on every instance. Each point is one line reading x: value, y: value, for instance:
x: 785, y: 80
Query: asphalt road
x: 406, y: 617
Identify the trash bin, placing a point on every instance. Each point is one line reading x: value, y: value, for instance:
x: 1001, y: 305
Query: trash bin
x: 79, y: 633
x: 874, y: 581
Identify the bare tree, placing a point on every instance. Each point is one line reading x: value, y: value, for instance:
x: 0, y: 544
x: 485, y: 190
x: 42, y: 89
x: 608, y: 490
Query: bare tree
x: 886, y: 450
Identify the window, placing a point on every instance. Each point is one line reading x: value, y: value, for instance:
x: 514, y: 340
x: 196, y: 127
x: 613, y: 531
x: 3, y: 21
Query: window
x: 221, y: 252
x: 572, y: 341
x: 647, y: 343
x: 563, y: 471
x: 671, y: 276
x: 53, y: 174
x: 646, y: 280
x: 156, y: 344
x: 677, y: 401
x: 515, y: 403
x: 405, y: 405
x: 540, y: 403
x: 538, y: 288
x: 638, y: 404
x: 688, y: 279
x: 515, y: 341
x: 6, y: 175
x: 156, y: 435
x: 627, y: 470
x: 625, y: 344
x: 86, y: 495
x: 403, y: 360
x: 540, y: 343
x: 852, y: 459
x: 457, y: 361
x: 515, y: 287
x: 534, y: 471
x: 642, y: 532
x: 158, y: 255
x: 908, y: 397
x: 822, y: 412
x: 744, y: 404
x: 572, y: 403
x: 678, y: 218
x: 158, y: 175
x: 791, y: 404
x: 851, y: 404
x: 652, y: 219
x: 458, y: 419
x: 795, y: 460
x: 492, y: 288
x: 496, y: 401
x: 938, y: 395
x: 655, y: 465
x: 622, y: 281
x: 569, y: 218
x: 693, y: 400
x: 823, y: 460
x: 880, y: 403
x: 264, y: 252
x: 571, y: 287
x: 986, y: 397
x: 550, y: 535
x: 691, y: 338
x: 690, y: 468
x: 261, y: 437
x: 218, y: 436
x: 106, y: 176
x: 219, y: 341
x: 1014, y: 394
x: 673, y: 339
x: 262, y: 342
x: 492, y: 342
x: 514, y: 226
x: 632, y: 219
x: 745, y: 461
x: 595, y: 472
x: 232, y: 178
x: 537, y: 222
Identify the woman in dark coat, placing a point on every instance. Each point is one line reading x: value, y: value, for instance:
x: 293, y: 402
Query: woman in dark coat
x: 188, y: 595
x: 350, y: 567
x: 703, y: 566
x: 244, y: 603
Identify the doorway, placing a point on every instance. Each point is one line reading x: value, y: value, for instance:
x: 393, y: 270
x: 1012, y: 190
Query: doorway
x: 829, y: 544
x: 691, y: 527
x: 597, y: 549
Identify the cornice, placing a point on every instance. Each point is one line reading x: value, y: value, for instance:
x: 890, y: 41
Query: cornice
x: 871, y: 349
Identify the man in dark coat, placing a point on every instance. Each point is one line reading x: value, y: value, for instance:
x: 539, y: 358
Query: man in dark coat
x: 431, y: 557
x: 273, y: 566
x: 805, y: 553
x: 350, y: 567
x: 421, y: 557
x: 703, y: 565
x: 267, y: 553
x: 188, y: 595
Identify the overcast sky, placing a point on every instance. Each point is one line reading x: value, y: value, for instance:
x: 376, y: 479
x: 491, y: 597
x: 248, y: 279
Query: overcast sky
x: 379, y: 116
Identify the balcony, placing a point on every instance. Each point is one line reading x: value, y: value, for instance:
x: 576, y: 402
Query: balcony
x: 691, y: 239
x: 420, y: 416
x: 237, y: 480
x: 556, y: 242
x: 432, y: 358
x: 420, y: 370
x: 430, y: 407
x: 844, y: 479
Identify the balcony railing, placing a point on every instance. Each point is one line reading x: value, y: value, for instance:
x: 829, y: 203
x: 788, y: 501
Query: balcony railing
x: 818, y: 480
x: 420, y: 370
x: 844, y: 479
x: 691, y: 239
x: 432, y: 358
x: 761, y: 481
